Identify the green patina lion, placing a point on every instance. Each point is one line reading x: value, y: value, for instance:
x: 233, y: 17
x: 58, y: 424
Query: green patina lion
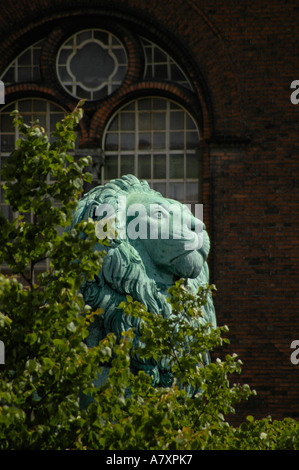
x: 141, y: 265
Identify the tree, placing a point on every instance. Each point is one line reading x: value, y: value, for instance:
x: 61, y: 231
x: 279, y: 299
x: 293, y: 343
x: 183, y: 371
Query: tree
x: 44, y: 323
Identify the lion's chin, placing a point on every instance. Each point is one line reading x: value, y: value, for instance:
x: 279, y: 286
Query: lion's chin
x: 187, y: 265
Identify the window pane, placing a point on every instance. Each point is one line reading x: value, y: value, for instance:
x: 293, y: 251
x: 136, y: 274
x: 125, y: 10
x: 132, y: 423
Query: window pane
x: 98, y: 95
x: 144, y: 141
x: 176, y: 166
x: 64, y: 75
x: 130, y: 106
x: 176, y: 191
x: 42, y: 121
x: 159, y: 166
x: 64, y: 56
x: 177, y: 120
x: 159, y: 103
x: 176, y: 74
x: 144, y: 121
x: 144, y: 166
x: 40, y: 105
x: 159, y: 140
x: 112, y: 142
x: 111, y: 170
x: 176, y: 140
x: 173, y: 105
x: 127, y: 164
x: 127, y: 141
x: 9, y: 77
x: 161, y: 72
x: 159, y: 121
x: 144, y: 104
x: 192, y: 191
x: 24, y: 74
x: 118, y: 76
x: 10, y: 108
x: 149, y: 55
x: 192, y: 140
x: 7, y: 143
x: 120, y: 55
x: 127, y: 121
x: 114, y: 124
x: 149, y: 73
x: 159, y: 55
x: 84, y: 36
x: 192, y: 166
x: 53, y: 107
x: 190, y: 124
x: 82, y: 93
x: 160, y: 187
x: 54, y: 118
x: 25, y: 58
x: 6, y: 123
x: 25, y: 106
x: 101, y: 36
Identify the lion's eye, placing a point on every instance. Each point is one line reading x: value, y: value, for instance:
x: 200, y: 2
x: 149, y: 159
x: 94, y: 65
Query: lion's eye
x: 159, y: 213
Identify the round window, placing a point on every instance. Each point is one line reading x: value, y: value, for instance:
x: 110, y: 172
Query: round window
x: 91, y: 64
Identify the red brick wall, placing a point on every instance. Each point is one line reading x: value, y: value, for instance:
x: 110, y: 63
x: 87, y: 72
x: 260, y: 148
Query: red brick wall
x: 242, y: 57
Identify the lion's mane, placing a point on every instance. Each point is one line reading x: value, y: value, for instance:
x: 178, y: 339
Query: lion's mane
x: 123, y: 273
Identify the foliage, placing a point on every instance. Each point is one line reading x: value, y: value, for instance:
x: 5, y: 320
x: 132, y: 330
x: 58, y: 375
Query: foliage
x: 44, y: 323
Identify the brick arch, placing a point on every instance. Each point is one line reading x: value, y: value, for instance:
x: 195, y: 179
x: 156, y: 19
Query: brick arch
x: 32, y: 90
x: 137, y: 90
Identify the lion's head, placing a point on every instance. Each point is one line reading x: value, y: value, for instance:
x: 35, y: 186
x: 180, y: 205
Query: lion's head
x: 156, y: 241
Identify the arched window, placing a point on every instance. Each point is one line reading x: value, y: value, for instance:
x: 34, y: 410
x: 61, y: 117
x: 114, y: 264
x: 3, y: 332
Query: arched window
x: 156, y: 139
x: 26, y: 67
x: 32, y: 109
x: 160, y: 65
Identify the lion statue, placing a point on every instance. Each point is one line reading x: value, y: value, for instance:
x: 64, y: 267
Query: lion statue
x: 141, y: 262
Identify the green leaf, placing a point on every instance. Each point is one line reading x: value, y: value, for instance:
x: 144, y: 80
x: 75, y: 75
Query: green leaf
x: 72, y: 327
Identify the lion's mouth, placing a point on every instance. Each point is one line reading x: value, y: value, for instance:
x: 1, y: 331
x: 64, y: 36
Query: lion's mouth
x: 180, y: 255
x: 187, y: 265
